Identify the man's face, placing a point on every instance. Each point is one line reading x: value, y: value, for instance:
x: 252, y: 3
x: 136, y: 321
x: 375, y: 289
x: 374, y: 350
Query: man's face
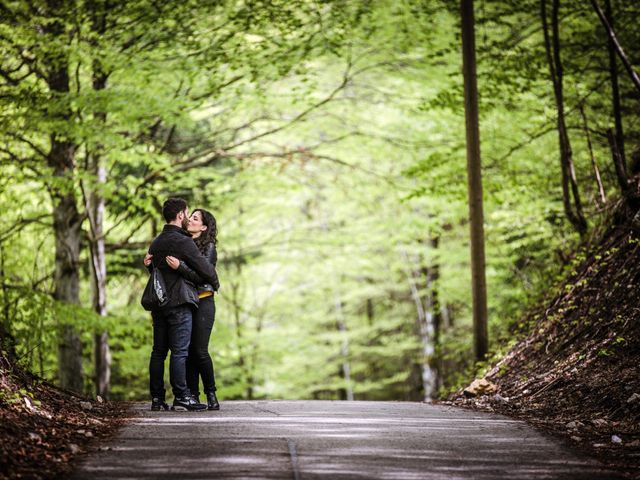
x: 185, y: 218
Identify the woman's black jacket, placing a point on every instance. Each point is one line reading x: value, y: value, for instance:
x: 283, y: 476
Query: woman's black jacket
x: 190, y: 274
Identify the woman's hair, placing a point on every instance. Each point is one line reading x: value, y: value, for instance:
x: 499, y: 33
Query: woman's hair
x: 210, y: 235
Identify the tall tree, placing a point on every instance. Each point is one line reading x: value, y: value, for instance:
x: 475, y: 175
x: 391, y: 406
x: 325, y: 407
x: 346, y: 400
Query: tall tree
x: 570, y: 192
x: 61, y: 158
x: 474, y: 173
x: 615, y: 44
x: 615, y: 88
x: 95, y: 202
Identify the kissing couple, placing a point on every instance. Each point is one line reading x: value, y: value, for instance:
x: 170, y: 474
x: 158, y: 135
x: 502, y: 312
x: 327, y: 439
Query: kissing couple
x: 185, y: 255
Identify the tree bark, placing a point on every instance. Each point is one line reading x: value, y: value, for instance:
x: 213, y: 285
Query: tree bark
x: 424, y: 323
x: 345, y: 368
x: 594, y: 165
x: 433, y: 315
x: 7, y: 341
x: 474, y: 172
x: 66, y: 219
x: 66, y: 225
x: 615, y: 90
x: 370, y: 311
x: 239, y: 325
x: 432, y: 304
x: 570, y: 192
x: 616, y: 45
x: 95, y: 212
x: 621, y: 171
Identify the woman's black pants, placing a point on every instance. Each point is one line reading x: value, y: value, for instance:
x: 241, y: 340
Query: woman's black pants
x: 199, y: 362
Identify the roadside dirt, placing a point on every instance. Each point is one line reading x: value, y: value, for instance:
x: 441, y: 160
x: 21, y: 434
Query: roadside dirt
x: 576, y: 372
x: 42, y: 428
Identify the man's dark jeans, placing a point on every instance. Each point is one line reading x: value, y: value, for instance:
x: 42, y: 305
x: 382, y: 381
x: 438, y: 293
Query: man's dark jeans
x: 171, y: 331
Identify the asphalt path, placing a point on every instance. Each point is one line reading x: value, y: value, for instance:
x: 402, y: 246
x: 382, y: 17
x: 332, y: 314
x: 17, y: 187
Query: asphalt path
x: 332, y: 440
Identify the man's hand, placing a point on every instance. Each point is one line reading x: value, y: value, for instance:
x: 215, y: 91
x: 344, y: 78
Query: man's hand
x: 147, y: 259
x: 173, y: 262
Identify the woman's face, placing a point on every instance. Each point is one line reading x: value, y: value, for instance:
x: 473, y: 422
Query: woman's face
x: 196, y: 227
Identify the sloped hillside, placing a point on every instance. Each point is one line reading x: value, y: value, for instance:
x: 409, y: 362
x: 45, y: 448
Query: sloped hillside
x: 576, y: 373
x: 42, y: 428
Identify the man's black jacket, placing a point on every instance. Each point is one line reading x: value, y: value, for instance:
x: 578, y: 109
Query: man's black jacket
x: 176, y: 242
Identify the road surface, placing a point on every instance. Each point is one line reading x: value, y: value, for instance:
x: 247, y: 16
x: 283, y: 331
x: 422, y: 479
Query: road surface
x: 332, y: 440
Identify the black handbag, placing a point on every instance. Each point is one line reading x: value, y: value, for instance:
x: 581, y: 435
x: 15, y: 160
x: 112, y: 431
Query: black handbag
x: 155, y: 293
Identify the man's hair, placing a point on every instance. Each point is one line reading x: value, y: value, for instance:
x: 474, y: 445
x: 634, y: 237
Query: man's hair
x: 172, y: 207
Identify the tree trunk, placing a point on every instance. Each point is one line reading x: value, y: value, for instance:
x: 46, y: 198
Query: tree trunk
x: 424, y: 323
x: 66, y: 224
x: 569, y: 182
x: 95, y: 211
x: 66, y: 219
x: 447, y: 317
x: 345, y: 368
x: 474, y: 172
x: 615, y: 91
x: 616, y: 45
x: 432, y: 305
x: 370, y: 312
x: 242, y: 362
x: 7, y: 342
x: 621, y: 171
x: 594, y: 165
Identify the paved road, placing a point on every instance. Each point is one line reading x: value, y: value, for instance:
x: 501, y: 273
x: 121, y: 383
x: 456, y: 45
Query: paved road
x: 332, y: 440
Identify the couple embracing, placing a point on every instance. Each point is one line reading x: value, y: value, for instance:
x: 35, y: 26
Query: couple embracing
x: 185, y: 254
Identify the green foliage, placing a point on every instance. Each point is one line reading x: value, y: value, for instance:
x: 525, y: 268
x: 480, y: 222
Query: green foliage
x: 328, y: 140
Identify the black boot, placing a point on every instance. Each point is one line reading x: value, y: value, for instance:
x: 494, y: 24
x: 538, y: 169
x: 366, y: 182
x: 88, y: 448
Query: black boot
x: 187, y: 403
x: 158, y: 404
x: 212, y: 401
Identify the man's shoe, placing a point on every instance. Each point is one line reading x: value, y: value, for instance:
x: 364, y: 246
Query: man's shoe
x: 187, y: 403
x: 158, y: 404
x: 212, y: 401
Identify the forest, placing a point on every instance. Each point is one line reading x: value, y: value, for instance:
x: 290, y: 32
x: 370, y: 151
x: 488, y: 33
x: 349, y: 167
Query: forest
x: 328, y: 139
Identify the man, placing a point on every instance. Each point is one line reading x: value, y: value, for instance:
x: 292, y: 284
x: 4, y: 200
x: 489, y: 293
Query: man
x: 172, y: 323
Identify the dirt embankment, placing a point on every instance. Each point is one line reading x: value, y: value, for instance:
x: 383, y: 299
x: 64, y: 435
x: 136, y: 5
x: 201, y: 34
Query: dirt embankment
x: 42, y: 428
x: 576, y: 372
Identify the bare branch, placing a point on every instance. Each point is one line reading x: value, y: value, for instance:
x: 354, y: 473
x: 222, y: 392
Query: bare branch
x: 618, y: 48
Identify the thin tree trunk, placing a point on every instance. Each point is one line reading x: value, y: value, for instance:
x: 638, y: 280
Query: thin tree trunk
x: 569, y: 181
x: 424, y: 320
x: 370, y: 312
x: 447, y: 317
x: 95, y: 211
x: 615, y: 91
x: 7, y: 342
x: 618, y: 48
x: 242, y: 361
x: 344, y: 350
x: 433, y: 304
x: 594, y: 165
x: 474, y: 172
x: 621, y: 172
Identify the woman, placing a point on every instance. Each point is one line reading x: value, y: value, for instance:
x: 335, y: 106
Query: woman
x: 203, y: 229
